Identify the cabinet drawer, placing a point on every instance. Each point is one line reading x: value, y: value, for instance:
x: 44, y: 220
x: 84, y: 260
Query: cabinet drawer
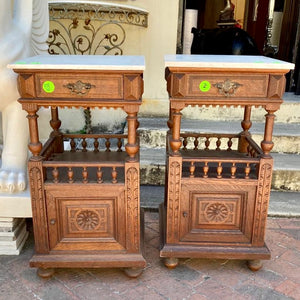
x: 100, y: 86
x: 207, y: 85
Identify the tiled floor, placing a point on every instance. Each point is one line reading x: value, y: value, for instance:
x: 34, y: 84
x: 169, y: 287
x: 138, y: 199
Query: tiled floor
x: 192, y: 279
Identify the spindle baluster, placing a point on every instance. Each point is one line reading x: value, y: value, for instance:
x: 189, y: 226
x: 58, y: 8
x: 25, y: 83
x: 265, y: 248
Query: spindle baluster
x: 107, y: 145
x: 114, y: 175
x: 73, y: 145
x: 55, y: 174
x: 99, y: 175
x: 84, y: 175
x: 229, y: 144
x: 119, y: 145
x: 207, y: 143
x: 219, y: 170
x: 184, y: 143
x: 70, y: 175
x: 192, y: 169
x: 196, y: 143
x: 233, y: 170
x: 205, y: 169
x: 218, y: 144
x: 247, y: 171
x: 84, y: 145
x: 96, y: 145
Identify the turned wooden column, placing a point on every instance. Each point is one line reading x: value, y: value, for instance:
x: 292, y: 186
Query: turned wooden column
x: 175, y: 142
x: 246, y: 125
x: 132, y: 147
x: 55, y: 125
x: 35, y: 146
x: 55, y: 121
x: 267, y: 143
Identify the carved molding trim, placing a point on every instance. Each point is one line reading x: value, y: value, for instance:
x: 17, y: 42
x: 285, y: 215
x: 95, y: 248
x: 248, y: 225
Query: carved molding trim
x: 173, y: 201
x: 263, y: 195
x: 132, y: 178
x: 38, y: 208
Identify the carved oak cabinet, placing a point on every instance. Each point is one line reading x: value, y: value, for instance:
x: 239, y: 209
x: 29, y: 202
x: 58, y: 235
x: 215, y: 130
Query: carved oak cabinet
x: 85, y: 200
x: 218, y: 185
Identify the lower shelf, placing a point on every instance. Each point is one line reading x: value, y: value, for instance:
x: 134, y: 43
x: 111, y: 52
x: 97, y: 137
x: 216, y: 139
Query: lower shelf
x: 247, y: 253
x: 88, y: 261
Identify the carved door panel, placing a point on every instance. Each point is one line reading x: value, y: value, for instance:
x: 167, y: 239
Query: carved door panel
x: 217, y: 214
x: 78, y: 220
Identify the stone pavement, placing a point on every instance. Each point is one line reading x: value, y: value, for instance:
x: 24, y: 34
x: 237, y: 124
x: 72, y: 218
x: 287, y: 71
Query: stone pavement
x: 194, y: 279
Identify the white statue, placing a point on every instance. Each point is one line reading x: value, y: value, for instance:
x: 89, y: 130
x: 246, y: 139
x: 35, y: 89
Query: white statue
x: 24, y: 27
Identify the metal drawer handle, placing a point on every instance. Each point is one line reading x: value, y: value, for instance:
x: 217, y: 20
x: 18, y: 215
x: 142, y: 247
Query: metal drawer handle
x: 79, y: 87
x: 227, y: 87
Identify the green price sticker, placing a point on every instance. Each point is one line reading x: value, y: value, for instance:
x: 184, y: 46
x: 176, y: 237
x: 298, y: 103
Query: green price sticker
x: 48, y: 86
x: 204, y: 86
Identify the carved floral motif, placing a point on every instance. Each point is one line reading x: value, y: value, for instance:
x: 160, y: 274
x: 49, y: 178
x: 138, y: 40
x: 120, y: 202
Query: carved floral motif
x: 87, y: 219
x: 216, y: 212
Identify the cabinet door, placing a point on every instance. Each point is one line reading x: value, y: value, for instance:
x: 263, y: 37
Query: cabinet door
x: 217, y: 213
x: 82, y: 218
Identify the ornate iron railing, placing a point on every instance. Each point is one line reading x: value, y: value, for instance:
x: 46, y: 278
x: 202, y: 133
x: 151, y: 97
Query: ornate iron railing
x: 91, y: 28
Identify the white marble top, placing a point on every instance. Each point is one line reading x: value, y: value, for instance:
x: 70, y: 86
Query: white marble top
x: 227, y: 61
x: 80, y: 62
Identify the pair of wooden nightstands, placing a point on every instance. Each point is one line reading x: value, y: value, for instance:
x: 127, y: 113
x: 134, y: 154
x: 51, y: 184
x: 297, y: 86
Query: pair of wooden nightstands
x: 86, y: 203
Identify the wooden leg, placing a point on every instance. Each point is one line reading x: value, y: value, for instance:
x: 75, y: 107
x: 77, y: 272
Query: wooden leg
x: 133, y: 272
x: 255, y: 265
x: 171, y: 262
x: 45, y: 273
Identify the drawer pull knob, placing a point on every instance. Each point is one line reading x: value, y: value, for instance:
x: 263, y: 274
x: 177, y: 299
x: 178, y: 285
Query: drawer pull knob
x: 185, y: 214
x: 52, y: 221
x: 79, y: 88
x: 227, y: 88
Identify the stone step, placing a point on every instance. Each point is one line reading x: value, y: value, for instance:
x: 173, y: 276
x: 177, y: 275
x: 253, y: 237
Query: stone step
x: 282, y: 204
x: 286, y: 137
x: 289, y: 111
x: 286, y: 172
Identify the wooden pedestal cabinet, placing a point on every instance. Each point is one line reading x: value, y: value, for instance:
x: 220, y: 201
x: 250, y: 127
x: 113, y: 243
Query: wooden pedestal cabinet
x: 84, y: 187
x: 218, y: 185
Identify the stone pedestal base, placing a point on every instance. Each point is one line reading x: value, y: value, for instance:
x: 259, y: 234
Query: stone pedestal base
x: 14, y: 208
x: 13, y: 235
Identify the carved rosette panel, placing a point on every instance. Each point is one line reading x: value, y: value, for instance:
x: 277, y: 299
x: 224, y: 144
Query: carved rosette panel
x: 173, y: 201
x: 88, y: 219
x: 216, y: 212
x: 38, y: 207
x: 132, y: 190
x: 262, y: 203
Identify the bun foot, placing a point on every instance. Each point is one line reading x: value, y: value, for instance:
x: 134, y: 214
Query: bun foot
x: 254, y: 265
x: 45, y: 273
x: 171, y: 262
x: 133, y: 272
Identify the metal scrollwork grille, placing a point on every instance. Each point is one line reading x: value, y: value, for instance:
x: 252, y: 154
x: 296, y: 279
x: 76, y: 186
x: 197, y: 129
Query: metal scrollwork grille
x: 90, y: 29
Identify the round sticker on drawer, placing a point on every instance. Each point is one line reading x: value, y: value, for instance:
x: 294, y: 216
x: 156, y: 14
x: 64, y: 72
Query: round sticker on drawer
x: 48, y: 86
x: 204, y: 86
